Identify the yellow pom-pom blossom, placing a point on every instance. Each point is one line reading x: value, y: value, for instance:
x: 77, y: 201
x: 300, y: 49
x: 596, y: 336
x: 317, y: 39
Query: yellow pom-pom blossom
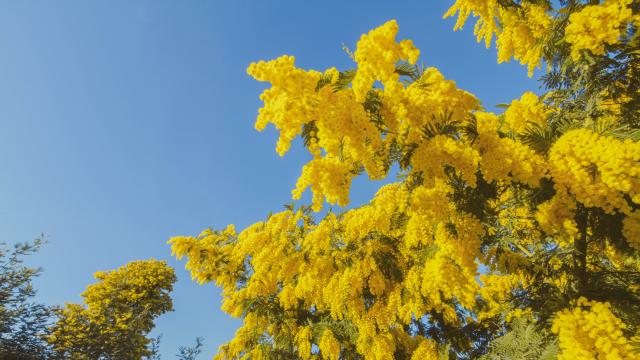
x: 525, y: 111
x: 429, y: 100
x: 591, y: 331
x: 519, y: 30
x: 488, y: 12
x: 303, y: 340
x: 505, y: 159
x: 329, y: 346
x: 556, y: 218
x: 432, y: 155
x: 596, y: 26
x: 289, y: 103
x: 328, y: 178
x: 427, y: 350
x: 377, y: 54
x: 522, y: 34
x: 598, y: 170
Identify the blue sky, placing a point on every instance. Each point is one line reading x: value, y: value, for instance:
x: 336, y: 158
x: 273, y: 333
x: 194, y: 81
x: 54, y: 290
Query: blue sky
x: 123, y: 123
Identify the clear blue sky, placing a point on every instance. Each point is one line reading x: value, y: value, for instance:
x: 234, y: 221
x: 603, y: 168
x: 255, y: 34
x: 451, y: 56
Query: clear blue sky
x: 123, y: 123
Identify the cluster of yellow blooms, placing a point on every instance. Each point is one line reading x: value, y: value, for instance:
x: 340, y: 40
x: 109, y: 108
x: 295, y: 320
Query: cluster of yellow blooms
x: 591, y: 331
x: 519, y: 30
x: 488, y: 12
x: 413, y: 251
x: 505, y: 159
x: 556, y: 218
x: 497, y: 290
x: 598, y: 170
x: 596, y: 26
x: 525, y: 111
x: 329, y: 346
x: 377, y: 55
x: 522, y: 33
x: 329, y: 178
x: 289, y: 102
x: 427, y: 350
x: 427, y: 101
x: 429, y: 157
x: 330, y: 266
x: 120, y: 307
x: 344, y: 137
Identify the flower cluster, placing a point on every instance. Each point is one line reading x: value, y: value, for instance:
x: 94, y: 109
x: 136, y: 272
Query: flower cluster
x: 505, y: 159
x: 303, y: 342
x: 556, y: 218
x: 598, y: 170
x: 488, y: 12
x: 591, y: 331
x: 339, y: 268
x: 342, y: 136
x: 596, y: 26
x: 328, y: 178
x: 427, y: 350
x: 377, y: 54
x: 429, y: 101
x: 289, y: 103
x: 342, y: 128
x: 519, y: 31
x: 522, y: 35
x: 430, y: 157
x: 525, y: 111
x: 329, y: 346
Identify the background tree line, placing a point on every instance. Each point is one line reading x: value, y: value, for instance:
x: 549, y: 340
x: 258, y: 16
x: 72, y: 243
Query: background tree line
x: 112, y: 323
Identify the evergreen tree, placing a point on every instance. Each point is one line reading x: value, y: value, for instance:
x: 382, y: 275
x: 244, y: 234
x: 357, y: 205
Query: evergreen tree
x: 23, y: 323
x: 190, y: 352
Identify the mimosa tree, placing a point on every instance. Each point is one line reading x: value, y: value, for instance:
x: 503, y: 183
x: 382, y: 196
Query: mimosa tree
x: 528, y: 216
x: 116, y: 315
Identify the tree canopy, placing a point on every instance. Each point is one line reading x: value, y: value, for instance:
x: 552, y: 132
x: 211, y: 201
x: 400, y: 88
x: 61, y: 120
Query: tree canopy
x: 530, y: 216
x: 23, y: 322
x: 117, y: 314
